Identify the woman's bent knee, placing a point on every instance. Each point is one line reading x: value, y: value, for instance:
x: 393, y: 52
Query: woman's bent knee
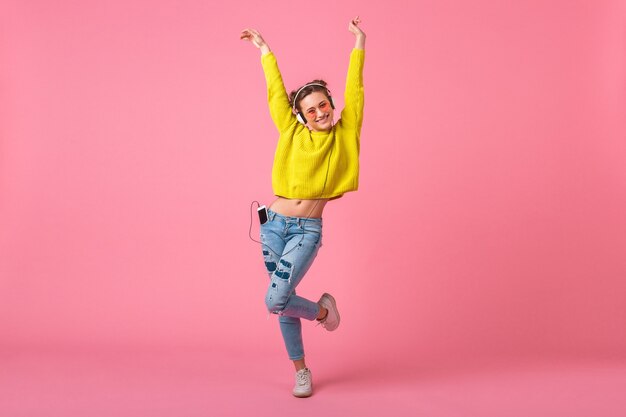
x: 274, y: 302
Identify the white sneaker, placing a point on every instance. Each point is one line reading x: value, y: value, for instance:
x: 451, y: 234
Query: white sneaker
x: 331, y: 321
x: 304, y: 383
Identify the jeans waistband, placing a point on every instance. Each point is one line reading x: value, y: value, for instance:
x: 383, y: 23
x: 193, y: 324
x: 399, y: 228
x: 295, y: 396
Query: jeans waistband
x: 289, y: 219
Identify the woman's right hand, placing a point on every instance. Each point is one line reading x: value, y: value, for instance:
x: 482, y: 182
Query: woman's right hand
x: 255, y: 37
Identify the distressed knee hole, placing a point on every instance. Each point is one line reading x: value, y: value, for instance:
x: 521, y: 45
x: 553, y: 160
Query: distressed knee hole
x: 269, y: 263
x: 282, y: 274
x: 285, y: 269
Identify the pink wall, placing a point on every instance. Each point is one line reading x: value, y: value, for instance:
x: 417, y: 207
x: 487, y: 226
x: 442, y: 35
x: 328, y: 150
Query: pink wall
x: 490, y: 219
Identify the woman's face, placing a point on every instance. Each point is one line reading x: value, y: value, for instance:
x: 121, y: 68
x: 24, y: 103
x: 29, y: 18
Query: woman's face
x: 318, y: 112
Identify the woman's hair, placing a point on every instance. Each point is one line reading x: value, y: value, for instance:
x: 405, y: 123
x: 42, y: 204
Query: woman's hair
x: 306, y: 91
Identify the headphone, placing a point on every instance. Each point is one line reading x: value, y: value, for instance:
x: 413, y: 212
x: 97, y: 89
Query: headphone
x: 299, y: 114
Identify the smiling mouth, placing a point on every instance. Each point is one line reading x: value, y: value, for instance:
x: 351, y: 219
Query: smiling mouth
x: 323, y: 119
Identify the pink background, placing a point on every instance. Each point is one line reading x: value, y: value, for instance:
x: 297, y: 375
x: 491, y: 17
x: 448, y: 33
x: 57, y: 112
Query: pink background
x: 489, y: 221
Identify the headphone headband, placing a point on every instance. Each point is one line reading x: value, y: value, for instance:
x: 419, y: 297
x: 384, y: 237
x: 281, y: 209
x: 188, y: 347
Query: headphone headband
x: 295, y: 98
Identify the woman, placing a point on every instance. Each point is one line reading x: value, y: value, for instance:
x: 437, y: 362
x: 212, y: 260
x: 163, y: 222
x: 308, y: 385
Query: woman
x: 316, y: 161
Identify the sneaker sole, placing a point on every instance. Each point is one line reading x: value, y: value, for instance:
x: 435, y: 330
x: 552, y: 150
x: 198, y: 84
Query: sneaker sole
x: 303, y: 395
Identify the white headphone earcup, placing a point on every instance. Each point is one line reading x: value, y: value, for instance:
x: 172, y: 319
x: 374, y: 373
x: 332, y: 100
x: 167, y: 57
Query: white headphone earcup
x: 300, y: 118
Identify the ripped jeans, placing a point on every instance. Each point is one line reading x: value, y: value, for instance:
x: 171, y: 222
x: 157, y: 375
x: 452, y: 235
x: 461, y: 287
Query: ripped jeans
x: 290, y: 245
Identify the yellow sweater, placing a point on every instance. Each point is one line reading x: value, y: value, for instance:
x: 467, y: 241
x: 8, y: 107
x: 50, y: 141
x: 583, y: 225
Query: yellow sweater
x: 303, y: 157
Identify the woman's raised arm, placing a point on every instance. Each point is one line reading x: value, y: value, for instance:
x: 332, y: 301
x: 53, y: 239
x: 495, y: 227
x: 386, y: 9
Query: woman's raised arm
x: 352, y: 113
x: 278, y: 101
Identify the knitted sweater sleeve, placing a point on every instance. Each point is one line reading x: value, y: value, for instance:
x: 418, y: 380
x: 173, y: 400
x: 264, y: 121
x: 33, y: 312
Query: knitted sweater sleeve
x: 352, y: 113
x: 277, y: 98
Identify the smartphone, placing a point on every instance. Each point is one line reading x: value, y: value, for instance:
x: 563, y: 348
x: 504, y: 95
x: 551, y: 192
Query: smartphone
x: 262, y: 214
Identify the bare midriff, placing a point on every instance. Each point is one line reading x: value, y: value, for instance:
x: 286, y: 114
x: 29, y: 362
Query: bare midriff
x: 298, y: 208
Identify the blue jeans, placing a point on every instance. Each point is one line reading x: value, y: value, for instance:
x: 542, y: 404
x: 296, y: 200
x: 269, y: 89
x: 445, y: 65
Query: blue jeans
x: 290, y: 245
